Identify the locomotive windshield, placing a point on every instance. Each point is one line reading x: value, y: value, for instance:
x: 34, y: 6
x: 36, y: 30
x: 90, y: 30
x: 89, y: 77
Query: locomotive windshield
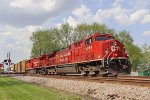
x: 89, y: 41
x: 101, y: 38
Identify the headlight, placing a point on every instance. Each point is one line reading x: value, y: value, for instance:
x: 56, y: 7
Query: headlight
x: 115, y: 43
x: 115, y: 55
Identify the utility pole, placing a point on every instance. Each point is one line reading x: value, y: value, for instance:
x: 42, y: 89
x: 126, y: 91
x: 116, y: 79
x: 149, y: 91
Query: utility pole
x: 9, y: 60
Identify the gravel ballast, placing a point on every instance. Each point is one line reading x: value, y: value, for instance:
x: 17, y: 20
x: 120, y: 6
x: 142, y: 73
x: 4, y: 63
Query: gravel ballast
x: 104, y: 91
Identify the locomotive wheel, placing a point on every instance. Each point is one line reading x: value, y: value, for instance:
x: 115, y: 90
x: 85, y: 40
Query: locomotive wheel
x: 105, y: 75
x: 86, y: 73
x: 96, y: 73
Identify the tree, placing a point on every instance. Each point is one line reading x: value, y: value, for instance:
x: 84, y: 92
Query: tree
x: 53, y: 39
x: 84, y: 30
x: 146, y: 56
x: 125, y: 37
x: 64, y: 34
x: 44, y: 41
x: 134, y: 52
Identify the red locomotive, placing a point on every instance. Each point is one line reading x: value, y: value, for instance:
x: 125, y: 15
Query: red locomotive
x: 97, y: 54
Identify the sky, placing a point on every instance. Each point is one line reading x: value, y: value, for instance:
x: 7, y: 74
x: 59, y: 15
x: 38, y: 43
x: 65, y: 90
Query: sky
x: 19, y: 18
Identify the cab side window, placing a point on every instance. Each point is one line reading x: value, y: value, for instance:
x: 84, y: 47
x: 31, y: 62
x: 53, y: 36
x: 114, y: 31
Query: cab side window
x: 89, y: 41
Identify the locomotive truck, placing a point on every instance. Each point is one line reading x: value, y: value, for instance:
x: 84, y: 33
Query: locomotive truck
x: 99, y: 54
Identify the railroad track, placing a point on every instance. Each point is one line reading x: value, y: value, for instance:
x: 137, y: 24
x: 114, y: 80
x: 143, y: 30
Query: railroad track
x: 131, y: 80
x: 128, y: 80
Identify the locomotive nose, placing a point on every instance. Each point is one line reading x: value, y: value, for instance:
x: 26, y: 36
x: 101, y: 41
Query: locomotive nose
x: 114, y: 45
x: 117, y: 49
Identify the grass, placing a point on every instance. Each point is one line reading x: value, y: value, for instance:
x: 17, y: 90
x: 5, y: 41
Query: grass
x: 12, y: 89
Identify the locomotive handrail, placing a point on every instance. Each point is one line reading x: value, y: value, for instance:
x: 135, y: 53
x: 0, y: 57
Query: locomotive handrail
x: 109, y: 55
x: 104, y: 58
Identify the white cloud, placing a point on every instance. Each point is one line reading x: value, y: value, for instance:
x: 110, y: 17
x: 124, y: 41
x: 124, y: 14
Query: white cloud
x: 137, y: 15
x: 32, y: 28
x: 139, y: 4
x: 128, y: 18
x: 20, y: 3
x: 146, y: 33
x: 83, y: 14
x: 117, y: 3
x: 21, y: 13
x: 32, y: 5
x: 116, y: 13
x: 49, y: 5
x: 146, y: 19
x: 71, y: 21
x: 17, y: 41
x: 121, y: 15
x: 83, y: 10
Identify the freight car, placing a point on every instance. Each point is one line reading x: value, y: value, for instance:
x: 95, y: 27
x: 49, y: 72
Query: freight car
x: 19, y: 68
x: 95, y: 55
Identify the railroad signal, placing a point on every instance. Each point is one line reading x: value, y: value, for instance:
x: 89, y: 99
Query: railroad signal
x: 5, y: 60
x: 6, y: 63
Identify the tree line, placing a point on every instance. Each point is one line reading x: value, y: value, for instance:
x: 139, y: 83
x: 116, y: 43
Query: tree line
x: 48, y: 40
